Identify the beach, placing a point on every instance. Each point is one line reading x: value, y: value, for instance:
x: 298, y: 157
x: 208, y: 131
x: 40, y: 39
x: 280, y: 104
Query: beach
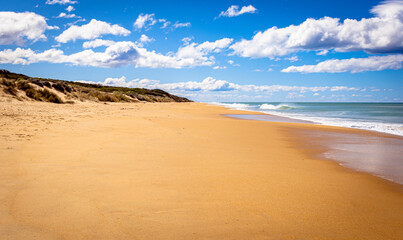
x: 179, y: 171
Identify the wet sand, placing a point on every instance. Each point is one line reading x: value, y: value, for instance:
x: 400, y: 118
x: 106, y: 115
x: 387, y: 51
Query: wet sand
x: 379, y: 154
x: 177, y: 171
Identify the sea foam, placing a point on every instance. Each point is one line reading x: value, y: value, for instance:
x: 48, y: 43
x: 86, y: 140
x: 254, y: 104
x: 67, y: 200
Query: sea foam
x: 301, y: 112
x: 267, y: 106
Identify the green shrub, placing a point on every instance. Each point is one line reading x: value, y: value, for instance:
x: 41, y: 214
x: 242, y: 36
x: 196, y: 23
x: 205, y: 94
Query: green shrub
x: 10, y: 90
x: 49, y: 96
x: 23, y: 85
x: 7, y: 83
x: 58, y: 86
x: 32, y: 93
x: 106, y: 97
x: 37, y: 82
x: 42, y: 95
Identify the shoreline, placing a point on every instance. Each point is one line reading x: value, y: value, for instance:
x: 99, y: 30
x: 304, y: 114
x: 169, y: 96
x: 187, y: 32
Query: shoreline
x: 356, y: 150
x: 292, y: 119
x: 178, y: 171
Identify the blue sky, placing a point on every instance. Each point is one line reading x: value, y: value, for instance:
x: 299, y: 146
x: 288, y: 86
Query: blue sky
x: 280, y: 50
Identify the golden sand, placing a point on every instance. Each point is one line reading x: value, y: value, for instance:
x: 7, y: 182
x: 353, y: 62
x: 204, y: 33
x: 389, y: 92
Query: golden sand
x: 176, y: 171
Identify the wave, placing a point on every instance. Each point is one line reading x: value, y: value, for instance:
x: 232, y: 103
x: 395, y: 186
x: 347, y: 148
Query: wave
x: 237, y: 106
x: 391, y: 128
x: 266, y: 106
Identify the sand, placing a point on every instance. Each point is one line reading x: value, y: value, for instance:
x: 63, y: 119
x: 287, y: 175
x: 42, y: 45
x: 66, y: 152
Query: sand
x: 177, y: 171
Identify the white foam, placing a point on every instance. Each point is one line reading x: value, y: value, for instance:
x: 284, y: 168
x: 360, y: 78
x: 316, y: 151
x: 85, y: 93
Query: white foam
x: 236, y: 106
x: 266, y: 106
x: 391, y: 128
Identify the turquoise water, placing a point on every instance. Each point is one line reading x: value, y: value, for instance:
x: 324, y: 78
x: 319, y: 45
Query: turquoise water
x: 381, y: 117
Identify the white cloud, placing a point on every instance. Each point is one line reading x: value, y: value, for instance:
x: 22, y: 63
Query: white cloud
x: 187, y: 56
x: 91, y: 30
x: 292, y: 95
x: 98, y: 43
x: 165, y: 23
x: 343, y: 88
x: 292, y: 59
x: 322, y: 53
x: 144, y: 39
x: 210, y: 84
x: 187, y: 40
x: 234, y: 11
x: 181, y: 25
x: 64, y: 15
x: 121, y: 54
x: 380, y: 34
x: 62, y: 2
x: 73, y: 23
x: 215, y: 46
x: 144, y: 20
x: 28, y: 56
x: 219, y: 67
x: 354, y: 65
x: 70, y: 8
x: 19, y: 27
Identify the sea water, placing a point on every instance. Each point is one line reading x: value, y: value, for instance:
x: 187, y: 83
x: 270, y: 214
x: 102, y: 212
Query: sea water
x: 380, y: 117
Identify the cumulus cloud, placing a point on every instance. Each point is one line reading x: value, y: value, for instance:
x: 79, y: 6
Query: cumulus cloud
x: 382, y: 33
x: 292, y: 59
x: 98, y: 43
x: 91, y: 30
x: 207, y: 84
x: 144, y: 39
x: 211, y: 84
x: 234, y: 11
x: 215, y: 46
x: 187, y: 56
x: 322, y: 53
x: 121, y: 54
x: 144, y: 20
x: 64, y: 15
x: 69, y: 8
x: 62, y: 2
x: 19, y: 27
x: 354, y: 65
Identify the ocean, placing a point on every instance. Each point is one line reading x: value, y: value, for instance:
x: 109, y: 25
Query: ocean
x: 380, y: 117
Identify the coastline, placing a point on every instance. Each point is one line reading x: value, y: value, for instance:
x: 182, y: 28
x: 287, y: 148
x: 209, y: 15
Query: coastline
x: 373, y: 117
x: 376, y: 153
x: 179, y: 171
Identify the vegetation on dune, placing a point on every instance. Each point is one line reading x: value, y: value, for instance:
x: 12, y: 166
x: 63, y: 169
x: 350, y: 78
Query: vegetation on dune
x: 50, y: 90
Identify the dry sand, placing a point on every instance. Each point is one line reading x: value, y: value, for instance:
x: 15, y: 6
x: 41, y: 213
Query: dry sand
x: 176, y: 171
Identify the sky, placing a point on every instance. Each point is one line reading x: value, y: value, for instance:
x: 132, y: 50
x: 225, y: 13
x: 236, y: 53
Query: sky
x: 213, y: 51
